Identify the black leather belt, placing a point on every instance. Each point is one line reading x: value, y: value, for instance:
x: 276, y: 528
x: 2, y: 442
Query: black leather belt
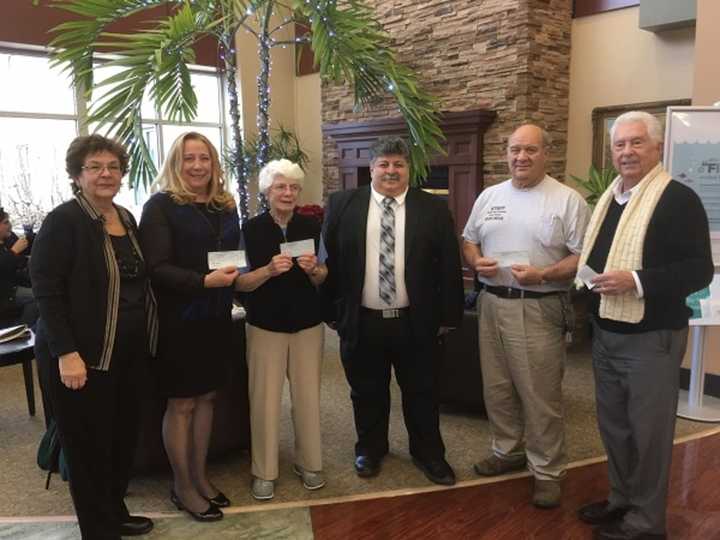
x: 397, y: 313
x: 513, y: 293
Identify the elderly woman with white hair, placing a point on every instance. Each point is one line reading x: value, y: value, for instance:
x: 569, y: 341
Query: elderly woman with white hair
x: 284, y: 328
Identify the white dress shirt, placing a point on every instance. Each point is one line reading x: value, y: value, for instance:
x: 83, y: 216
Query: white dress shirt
x: 371, y: 287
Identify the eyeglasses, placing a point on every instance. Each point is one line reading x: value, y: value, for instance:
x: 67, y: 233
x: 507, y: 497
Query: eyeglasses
x: 294, y: 188
x: 95, y: 169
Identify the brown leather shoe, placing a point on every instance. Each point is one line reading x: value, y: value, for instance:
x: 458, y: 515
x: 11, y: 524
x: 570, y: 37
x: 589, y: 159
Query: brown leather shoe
x: 494, y: 466
x: 547, y: 493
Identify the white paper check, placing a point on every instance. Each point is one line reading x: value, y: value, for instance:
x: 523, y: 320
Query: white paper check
x: 505, y: 259
x: 301, y: 247
x: 586, y: 274
x: 220, y: 259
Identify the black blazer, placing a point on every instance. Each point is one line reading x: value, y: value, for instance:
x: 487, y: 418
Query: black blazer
x: 433, y: 276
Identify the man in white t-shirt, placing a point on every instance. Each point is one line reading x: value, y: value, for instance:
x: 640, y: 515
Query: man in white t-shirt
x: 523, y: 239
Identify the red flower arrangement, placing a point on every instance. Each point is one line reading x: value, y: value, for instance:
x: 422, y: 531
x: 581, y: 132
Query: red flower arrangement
x: 312, y: 210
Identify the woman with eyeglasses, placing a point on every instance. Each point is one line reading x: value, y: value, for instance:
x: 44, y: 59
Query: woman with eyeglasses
x: 183, y: 226
x: 97, y: 329
x: 284, y: 328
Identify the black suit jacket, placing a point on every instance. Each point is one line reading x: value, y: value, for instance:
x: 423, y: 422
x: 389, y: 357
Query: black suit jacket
x: 433, y: 275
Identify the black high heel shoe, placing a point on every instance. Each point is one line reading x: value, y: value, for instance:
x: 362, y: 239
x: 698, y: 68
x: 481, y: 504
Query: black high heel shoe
x: 211, y: 514
x: 219, y: 500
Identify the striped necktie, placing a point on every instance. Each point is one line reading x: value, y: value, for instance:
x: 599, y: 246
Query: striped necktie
x: 386, y: 276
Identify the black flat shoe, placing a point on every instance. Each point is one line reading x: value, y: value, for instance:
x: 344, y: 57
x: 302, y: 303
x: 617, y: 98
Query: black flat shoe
x: 219, y: 500
x: 599, y: 513
x: 135, y: 526
x: 437, y: 471
x: 211, y: 514
x: 366, y: 467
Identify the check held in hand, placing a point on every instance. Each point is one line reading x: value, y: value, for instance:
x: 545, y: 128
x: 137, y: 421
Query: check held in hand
x: 298, y: 248
x: 221, y: 259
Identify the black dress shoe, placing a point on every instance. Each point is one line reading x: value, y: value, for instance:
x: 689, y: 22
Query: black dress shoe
x: 601, y: 512
x: 219, y: 500
x: 437, y: 471
x: 135, y: 526
x: 620, y: 531
x: 365, y: 466
x: 212, y: 513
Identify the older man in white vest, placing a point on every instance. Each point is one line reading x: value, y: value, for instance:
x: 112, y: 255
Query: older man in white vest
x: 648, y: 239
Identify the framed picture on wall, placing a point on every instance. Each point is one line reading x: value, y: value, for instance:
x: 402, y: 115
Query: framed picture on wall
x: 603, y: 118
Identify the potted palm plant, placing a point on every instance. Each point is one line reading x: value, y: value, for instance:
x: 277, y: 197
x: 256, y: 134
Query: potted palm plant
x: 349, y: 46
x: 596, y: 183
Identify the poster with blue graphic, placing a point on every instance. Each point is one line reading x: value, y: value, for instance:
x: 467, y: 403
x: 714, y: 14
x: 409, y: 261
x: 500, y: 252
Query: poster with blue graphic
x: 692, y: 156
x: 697, y: 164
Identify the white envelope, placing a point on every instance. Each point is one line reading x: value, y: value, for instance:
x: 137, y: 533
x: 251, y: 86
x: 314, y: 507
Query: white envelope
x: 301, y: 247
x: 505, y: 259
x: 220, y: 259
x: 586, y: 274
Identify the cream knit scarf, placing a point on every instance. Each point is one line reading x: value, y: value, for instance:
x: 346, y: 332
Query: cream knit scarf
x: 626, y: 251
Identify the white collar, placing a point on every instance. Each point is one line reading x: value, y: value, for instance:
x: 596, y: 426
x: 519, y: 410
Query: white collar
x: 622, y: 197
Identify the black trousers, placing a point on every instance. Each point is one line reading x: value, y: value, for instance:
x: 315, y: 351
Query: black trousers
x: 98, y: 427
x: 384, y: 344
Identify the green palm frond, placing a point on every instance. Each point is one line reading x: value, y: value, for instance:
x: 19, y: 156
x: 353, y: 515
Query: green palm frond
x: 597, y: 182
x: 154, y: 60
x: 75, y: 42
x: 283, y: 144
x: 350, y: 46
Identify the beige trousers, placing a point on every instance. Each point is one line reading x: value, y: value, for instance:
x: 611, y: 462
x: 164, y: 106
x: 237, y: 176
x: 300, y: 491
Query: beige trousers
x: 522, y: 352
x: 272, y: 357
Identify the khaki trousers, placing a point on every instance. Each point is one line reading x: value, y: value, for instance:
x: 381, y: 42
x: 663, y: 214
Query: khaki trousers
x: 522, y: 351
x: 272, y: 357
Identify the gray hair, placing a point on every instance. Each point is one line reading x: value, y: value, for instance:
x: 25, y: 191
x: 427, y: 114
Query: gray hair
x: 389, y: 146
x: 279, y: 167
x: 654, y: 129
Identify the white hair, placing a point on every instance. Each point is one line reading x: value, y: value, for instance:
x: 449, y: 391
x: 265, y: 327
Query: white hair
x: 278, y: 167
x: 654, y: 129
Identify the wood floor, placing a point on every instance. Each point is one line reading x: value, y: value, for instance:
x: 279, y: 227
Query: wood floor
x: 502, y: 511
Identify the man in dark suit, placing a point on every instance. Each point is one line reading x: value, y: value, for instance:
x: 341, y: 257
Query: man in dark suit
x: 395, y: 280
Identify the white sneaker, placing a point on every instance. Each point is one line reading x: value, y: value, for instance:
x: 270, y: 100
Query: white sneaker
x: 262, y: 490
x: 311, y: 480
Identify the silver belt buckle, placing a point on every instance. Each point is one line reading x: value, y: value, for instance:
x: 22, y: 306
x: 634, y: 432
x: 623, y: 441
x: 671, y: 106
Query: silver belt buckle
x: 390, y: 313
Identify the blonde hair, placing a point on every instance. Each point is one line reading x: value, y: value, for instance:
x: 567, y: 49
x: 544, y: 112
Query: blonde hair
x: 279, y: 167
x: 170, y: 177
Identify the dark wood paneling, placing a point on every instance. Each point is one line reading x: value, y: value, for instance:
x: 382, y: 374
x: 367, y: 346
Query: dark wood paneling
x: 502, y: 511
x: 583, y: 8
x: 21, y: 22
x: 304, y: 57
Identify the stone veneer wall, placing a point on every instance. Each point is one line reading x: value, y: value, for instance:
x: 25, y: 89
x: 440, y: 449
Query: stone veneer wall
x: 510, y: 56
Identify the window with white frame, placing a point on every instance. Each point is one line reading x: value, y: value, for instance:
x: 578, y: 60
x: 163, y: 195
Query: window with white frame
x: 40, y: 114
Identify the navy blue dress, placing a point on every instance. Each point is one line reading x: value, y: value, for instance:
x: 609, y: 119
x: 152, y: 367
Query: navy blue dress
x: 195, y: 341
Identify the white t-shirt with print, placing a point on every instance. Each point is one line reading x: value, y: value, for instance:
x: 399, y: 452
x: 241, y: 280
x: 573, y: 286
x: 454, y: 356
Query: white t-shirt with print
x: 547, y: 221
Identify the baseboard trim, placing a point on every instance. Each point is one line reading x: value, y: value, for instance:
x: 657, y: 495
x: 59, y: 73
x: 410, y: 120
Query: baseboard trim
x: 712, y: 382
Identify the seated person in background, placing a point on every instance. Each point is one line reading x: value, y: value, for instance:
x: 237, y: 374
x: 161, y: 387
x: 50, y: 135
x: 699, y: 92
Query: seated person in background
x: 17, y: 304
